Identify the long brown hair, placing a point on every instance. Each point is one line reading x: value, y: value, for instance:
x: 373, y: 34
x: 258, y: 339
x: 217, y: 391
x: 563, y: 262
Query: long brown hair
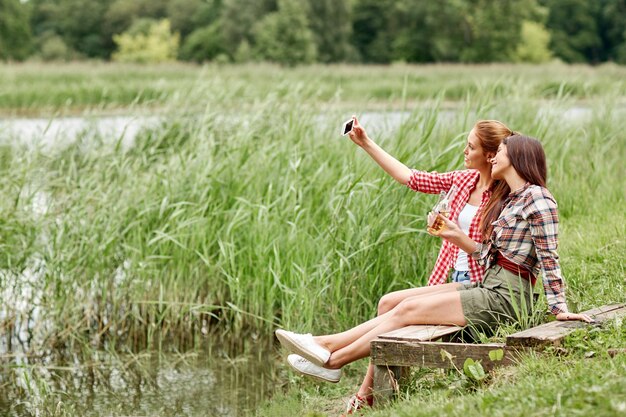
x: 529, y: 161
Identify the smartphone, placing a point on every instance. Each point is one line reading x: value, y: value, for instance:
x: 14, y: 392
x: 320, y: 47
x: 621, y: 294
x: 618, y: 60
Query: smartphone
x: 347, y: 127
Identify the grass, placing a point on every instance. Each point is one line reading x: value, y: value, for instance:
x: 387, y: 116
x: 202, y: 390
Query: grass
x: 243, y: 210
x: 62, y: 89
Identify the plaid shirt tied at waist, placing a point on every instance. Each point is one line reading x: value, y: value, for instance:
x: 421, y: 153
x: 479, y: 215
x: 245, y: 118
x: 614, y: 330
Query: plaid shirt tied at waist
x: 526, y: 233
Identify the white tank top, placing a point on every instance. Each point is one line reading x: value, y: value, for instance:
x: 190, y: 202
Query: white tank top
x: 465, y: 220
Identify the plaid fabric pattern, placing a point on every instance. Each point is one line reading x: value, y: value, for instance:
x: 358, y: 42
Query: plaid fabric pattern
x: 526, y: 233
x: 434, y: 183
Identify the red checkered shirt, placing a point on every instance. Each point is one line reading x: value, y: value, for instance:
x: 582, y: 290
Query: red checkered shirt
x: 434, y: 183
x: 526, y: 233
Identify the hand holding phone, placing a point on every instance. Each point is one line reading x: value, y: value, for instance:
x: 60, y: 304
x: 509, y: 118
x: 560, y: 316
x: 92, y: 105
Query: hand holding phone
x: 347, y: 127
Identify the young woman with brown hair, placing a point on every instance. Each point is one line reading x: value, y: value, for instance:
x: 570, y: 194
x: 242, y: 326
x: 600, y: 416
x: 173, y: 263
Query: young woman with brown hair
x: 519, y: 243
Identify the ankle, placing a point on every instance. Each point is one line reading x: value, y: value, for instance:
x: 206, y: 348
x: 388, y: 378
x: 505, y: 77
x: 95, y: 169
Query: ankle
x: 365, y: 395
x: 321, y: 340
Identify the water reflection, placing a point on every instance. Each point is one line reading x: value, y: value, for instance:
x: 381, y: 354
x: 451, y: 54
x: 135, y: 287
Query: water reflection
x: 202, y: 383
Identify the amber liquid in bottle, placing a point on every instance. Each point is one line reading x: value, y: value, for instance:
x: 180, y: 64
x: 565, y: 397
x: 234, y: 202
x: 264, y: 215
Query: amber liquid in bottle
x: 438, y: 225
x: 442, y: 207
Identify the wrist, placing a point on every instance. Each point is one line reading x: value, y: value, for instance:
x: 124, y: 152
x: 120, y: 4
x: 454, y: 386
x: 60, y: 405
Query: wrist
x: 367, y: 143
x: 455, y: 238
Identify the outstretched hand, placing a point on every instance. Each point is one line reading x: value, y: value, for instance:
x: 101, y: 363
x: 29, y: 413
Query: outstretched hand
x: 358, y: 134
x: 574, y: 317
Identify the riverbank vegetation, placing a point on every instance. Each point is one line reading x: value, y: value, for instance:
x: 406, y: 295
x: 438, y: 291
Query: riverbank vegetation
x: 244, y: 210
x: 45, y: 90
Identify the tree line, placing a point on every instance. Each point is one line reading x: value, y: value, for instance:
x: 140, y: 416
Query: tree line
x: 294, y: 32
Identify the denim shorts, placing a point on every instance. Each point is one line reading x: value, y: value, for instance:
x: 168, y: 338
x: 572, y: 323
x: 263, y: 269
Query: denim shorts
x: 502, y: 297
x: 460, y: 276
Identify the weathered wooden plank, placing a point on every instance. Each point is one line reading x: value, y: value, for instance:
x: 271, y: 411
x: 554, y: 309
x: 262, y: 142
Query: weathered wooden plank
x: 604, y: 309
x: 421, y: 332
x: 429, y: 354
x: 554, y: 332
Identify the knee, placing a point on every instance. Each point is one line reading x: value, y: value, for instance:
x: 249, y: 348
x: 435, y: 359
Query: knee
x: 407, y: 312
x: 385, y: 304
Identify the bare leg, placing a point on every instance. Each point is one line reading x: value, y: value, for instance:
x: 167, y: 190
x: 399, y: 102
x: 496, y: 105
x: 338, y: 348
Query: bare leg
x: 337, y: 341
x: 367, y: 386
x: 386, y: 303
x: 438, y: 308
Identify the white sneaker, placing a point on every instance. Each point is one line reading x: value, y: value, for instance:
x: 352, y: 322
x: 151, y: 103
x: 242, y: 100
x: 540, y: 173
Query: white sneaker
x: 303, y: 345
x: 306, y: 367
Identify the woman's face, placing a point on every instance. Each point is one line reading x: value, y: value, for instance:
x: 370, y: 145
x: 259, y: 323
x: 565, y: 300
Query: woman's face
x: 500, y: 163
x: 474, y: 155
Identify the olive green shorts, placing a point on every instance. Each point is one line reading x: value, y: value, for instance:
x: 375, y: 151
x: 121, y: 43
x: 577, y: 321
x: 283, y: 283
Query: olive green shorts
x: 502, y: 297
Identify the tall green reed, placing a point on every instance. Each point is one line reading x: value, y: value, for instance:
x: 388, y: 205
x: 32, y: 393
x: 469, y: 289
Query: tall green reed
x: 238, y: 221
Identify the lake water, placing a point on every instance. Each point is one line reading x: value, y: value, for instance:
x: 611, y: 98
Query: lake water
x: 206, y: 382
x: 54, y: 132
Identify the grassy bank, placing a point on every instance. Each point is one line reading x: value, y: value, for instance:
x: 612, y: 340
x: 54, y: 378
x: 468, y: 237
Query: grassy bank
x: 61, y: 89
x: 244, y: 210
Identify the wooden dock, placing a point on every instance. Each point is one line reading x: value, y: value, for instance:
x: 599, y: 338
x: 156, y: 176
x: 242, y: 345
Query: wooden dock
x: 430, y: 346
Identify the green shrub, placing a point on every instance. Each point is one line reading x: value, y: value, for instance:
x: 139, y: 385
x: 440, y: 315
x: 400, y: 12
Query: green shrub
x: 147, y: 42
x: 534, y: 45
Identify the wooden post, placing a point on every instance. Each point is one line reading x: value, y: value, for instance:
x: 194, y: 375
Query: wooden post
x: 387, y: 375
x: 387, y: 381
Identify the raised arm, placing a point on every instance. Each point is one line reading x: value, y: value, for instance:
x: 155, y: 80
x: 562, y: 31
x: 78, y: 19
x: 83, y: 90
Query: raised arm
x: 391, y: 165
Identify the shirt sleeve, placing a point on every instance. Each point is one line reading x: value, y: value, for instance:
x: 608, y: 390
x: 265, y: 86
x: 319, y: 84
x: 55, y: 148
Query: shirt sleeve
x: 430, y: 182
x: 543, y: 218
x: 481, y: 252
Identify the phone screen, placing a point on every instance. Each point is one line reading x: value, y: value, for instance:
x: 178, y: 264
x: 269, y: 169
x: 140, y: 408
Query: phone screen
x: 347, y: 127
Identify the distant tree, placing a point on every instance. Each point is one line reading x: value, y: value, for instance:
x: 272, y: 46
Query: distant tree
x: 371, y: 31
x: 186, y: 16
x: 445, y: 30
x: 15, y: 33
x: 147, y: 41
x: 429, y: 31
x: 284, y: 36
x: 495, y: 28
x: 613, y: 30
x: 238, y: 18
x: 77, y: 22
x: 204, y: 44
x: 535, y: 44
x: 573, y: 26
x: 331, y: 24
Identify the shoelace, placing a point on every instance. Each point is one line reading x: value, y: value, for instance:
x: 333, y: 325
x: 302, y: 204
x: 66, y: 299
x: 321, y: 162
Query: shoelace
x: 303, y: 361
